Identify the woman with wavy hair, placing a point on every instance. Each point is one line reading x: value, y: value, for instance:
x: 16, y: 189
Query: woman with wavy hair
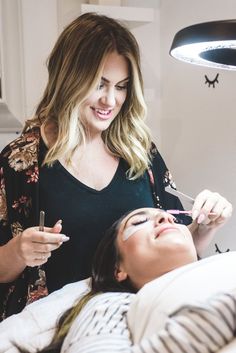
x: 87, y: 151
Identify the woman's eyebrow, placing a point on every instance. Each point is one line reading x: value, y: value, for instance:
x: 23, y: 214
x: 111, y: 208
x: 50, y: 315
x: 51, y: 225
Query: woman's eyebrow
x: 122, y: 81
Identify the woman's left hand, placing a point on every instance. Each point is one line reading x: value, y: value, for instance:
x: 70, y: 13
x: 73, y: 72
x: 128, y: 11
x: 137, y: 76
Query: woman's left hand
x: 212, y: 209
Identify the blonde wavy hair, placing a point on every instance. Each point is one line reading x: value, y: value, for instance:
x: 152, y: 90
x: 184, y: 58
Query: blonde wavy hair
x: 75, y: 67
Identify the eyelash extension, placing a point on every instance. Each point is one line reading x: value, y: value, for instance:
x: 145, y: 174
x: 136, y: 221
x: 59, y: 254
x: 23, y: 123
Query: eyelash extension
x: 139, y: 222
x: 130, y: 230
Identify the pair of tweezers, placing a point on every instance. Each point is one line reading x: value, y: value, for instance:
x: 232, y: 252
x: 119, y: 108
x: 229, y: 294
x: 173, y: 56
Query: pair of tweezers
x: 41, y: 220
x: 180, y: 195
x: 184, y: 197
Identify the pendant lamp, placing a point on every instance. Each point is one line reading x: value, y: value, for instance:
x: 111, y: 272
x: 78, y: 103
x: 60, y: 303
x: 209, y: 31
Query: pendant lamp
x: 211, y: 44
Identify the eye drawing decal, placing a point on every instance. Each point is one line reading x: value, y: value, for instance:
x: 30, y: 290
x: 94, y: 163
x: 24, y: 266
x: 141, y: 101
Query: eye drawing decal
x: 219, y: 251
x: 211, y: 82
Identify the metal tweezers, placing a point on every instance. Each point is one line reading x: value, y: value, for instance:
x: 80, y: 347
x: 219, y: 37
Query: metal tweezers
x: 180, y: 195
x: 41, y: 220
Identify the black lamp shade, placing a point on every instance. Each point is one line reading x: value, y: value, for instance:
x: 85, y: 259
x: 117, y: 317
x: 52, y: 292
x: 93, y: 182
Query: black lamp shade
x: 210, y: 44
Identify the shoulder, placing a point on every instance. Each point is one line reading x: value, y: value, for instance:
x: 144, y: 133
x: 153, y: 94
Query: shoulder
x: 109, y: 300
x: 153, y: 149
x: 103, y: 320
x: 28, y: 138
x: 156, y: 155
x: 159, y: 167
x: 22, y: 152
x: 157, y: 162
x: 110, y: 305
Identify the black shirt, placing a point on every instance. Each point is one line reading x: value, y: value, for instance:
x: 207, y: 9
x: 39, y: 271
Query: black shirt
x: 87, y: 213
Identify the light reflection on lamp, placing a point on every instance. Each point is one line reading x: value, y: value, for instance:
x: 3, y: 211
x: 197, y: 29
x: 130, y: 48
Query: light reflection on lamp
x: 211, y: 44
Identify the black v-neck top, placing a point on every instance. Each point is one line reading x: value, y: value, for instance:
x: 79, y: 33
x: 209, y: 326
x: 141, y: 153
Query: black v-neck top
x: 87, y: 213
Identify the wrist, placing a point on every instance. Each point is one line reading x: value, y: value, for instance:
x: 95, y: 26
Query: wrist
x: 16, y: 250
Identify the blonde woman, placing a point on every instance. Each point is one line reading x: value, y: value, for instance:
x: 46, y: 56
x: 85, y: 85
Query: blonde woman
x: 85, y: 159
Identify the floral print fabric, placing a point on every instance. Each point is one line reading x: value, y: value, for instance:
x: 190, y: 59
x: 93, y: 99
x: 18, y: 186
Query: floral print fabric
x: 19, y: 209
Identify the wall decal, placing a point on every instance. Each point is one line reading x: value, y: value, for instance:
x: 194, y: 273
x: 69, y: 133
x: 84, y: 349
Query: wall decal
x: 211, y: 82
x: 219, y: 251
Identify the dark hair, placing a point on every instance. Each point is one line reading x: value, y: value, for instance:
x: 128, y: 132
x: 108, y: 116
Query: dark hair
x: 103, y: 279
x: 107, y: 257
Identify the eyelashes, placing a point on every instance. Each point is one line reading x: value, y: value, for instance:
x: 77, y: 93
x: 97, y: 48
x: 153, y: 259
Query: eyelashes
x: 136, y: 223
x: 135, y: 226
x: 122, y: 88
x: 144, y: 220
x: 141, y: 222
x: 102, y: 84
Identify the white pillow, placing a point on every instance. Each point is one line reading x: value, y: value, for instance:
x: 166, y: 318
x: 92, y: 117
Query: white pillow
x: 188, y: 284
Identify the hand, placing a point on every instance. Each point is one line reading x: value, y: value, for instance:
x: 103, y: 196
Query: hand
x: 211, y: 202
x: 35, y: 247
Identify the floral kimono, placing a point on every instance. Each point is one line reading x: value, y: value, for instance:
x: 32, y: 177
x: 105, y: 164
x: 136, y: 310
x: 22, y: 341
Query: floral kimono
x: 19, y: 209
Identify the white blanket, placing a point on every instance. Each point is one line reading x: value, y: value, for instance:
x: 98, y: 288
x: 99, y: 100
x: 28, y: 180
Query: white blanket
x: 195, y: 282
x: 34, y: 327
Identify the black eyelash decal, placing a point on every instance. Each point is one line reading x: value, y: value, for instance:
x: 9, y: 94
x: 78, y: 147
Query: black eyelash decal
x: 211, y: 82
x: 219, y: 251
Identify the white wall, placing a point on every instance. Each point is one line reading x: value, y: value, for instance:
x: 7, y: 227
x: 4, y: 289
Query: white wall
x: 5, y: 138
x: 148, y: 37
x: 198, y: 124
x: 39, y: 32
x: 29, y: 30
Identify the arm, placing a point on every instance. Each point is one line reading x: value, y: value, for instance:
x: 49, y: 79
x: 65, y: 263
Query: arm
x: 18, y: 247
x: 24, y: 248
x: 11, y: 264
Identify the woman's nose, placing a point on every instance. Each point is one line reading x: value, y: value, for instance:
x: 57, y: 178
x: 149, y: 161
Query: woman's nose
x: 163, y: 217
x: 108, y: 97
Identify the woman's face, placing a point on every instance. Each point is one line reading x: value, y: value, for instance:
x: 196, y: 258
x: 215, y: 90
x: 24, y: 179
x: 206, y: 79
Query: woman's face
x: 151, y: 244
x: 105, y: 102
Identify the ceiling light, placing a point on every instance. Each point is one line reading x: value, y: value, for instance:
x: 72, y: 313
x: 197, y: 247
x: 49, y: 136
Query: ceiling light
x: 211, y: 44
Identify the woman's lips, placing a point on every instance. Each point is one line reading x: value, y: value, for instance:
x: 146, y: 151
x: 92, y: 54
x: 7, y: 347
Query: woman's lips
x: 165, y: 228
x: 103, y: 114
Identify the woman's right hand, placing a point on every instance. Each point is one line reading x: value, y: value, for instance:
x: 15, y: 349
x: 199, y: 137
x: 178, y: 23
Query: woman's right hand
x: 35, y: 246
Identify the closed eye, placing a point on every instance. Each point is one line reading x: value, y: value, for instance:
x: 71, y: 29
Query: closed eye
x: 136, y: 223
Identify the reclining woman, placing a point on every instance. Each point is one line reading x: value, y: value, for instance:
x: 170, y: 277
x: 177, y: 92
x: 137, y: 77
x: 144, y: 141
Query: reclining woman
x: 143, y: 245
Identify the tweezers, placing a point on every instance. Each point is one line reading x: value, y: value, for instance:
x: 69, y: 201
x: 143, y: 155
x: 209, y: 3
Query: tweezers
x: 184, y: 197
x: 179, y: 194
x: 41, y: 220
